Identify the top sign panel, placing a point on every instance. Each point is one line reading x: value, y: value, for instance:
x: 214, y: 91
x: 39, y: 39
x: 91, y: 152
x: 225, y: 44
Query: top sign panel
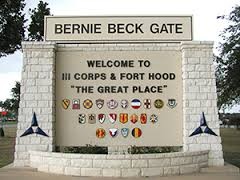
x: 108, y: 29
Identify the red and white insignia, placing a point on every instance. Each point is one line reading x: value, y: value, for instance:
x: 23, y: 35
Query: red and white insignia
x: 76, y: 104
x: 133, y: 118
x: 147, y: 103
x: 143, y: 118
x: 112, y: 104
x: 100, y: 133
x: 113, y: 132
x: 112, y: 117
x: 136, y: 103
x: 101, y: 118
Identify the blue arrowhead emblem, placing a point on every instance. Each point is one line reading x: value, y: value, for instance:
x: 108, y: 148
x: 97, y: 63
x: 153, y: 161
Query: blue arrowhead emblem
x: 34, y: 128
x: 203, y: 128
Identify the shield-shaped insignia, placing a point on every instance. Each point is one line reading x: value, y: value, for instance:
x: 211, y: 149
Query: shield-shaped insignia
x: 153, y: 118
x: 172, y: 103
x: 91, y: 118
x: 99, y: 103
x: 124, y: 103
x: 123, y: 118
x: 124, y: 132
x: 147, y: 103
x: 65, y: 103
x: 101, y: 118
x: 113, y: 132
x: 133, y: 118
x: 76, y: 104
x: 82, y: 118
x: 136, y: 132
x: 100, y: 133
x: 112, y: 104
x: 158, y: 103
x: 143, y: 118
x: 87, y: 103
x: 112, y: 117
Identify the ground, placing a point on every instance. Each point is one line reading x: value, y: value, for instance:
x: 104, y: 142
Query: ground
x: 230, y: 140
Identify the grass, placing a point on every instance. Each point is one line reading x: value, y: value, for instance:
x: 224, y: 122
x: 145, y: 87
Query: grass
x: 231, y: 145
x: 230, y: 141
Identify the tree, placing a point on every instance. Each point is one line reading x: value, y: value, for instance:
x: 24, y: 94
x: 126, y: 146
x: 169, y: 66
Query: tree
x: 36, y: 27
x: 11, y: 26
x: 228, y: 62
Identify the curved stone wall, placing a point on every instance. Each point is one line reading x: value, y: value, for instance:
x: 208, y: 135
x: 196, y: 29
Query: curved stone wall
x: 119, y: 165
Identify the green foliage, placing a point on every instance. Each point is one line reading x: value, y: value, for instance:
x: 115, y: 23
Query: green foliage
x: 36, y: 27
x: 11, y: 26
x: 228, y: 62
x: 149, y: 150
x: 88, y: 149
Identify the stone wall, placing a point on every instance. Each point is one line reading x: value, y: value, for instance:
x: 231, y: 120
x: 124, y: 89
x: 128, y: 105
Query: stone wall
x: 119, y: 165
x: 38, y: 94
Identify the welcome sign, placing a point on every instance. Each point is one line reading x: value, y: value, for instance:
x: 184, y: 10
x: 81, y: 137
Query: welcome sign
x: 119, y: 98
x: 102, y: 29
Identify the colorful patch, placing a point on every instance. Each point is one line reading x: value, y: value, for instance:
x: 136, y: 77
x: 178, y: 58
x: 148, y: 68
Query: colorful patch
x: 136, y: 132
x: 147, y: 103
x: 136, y: 103
x: 143, y: 118
x: 76, y: 104
x: 87, y: 103
x: 91, y: 118
x: 65, y: 103
x: 158, y: 103
x: 99, y: 103
x: 113, y: 132
x: 101, y: 118
x: 123, y: 118
x: 112, y: 104
x: 124, y: 104
x: 172, y: 103
x: 133, y: 118
x: 100, y: 133
x: 153, y: 118
x: 124, y: 132
x: 82, y: 118
x: 112, y: 117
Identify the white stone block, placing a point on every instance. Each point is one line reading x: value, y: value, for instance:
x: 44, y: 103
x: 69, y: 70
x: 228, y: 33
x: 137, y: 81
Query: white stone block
x: 112, y: 164
x: 81, y: 163
x: 56, y: 169
x: 132, y: 172
x: 193, y: 75
x: 171, y: 170
x: 91, y: 172
x: 111, y: 172
x: 139, y: 163
x: 193, y: 60
x: 72, y: 171
x: 158, y: 162
x: 151, y: 172
x: 189, y: 169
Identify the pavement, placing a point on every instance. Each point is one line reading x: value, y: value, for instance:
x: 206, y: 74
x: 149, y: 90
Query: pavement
x: 228, y: 172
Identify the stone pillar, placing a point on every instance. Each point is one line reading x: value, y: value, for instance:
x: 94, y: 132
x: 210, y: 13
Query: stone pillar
x: 37, y: 95
x: 199, y: 95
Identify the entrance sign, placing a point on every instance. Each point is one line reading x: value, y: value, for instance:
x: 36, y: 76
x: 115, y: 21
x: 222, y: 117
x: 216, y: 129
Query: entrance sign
x: 119, y: 98
x: 102, y: 29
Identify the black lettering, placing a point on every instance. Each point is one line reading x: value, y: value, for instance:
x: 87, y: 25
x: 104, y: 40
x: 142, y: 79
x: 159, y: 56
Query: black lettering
x: 58, y: 29
x: 179, y: 28
x: 111, y: 28
x: 67, y: 29
x: 76, y: 27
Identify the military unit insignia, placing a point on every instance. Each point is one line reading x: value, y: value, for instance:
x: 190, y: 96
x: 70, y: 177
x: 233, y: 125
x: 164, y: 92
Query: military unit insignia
x: 99, y: 103
x: 133, y: 118
x: 82, y: 118
x: 123, y: 118
x: 125, y: 132
x: 112, y: 117
x: 112, y: 104
x: 100, y: 133
x: 143, y: 118
x: 136, y: 103
x: 172, y: 103
x: 113, y: 132
x: 91, y: 118
x: 76, y: 104
x: 158, y: 103
x: 65, y: 103
x: 124, y: 104
x: 87, y: 103
x: 101, y: 118
x: 153, y: 118
x: 136, y: 132
x: 147, y: 103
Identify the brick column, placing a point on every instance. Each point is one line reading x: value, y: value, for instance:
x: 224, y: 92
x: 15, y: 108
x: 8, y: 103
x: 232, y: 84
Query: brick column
x: 37, y: 95
x: 199, y: 95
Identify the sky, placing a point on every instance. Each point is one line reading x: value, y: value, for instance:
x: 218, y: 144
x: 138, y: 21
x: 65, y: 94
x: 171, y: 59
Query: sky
x: 206, y: 27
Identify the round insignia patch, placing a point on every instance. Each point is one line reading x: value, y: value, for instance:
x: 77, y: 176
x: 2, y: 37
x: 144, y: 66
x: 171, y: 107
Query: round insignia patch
x: 100, y: 133
x: 124, y: 104
x: 112, y: 104
x: 136, y: 132
x: 153, y: 118
x: 87, y: 103
x: 136, y: 103
x: 158, y: 103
